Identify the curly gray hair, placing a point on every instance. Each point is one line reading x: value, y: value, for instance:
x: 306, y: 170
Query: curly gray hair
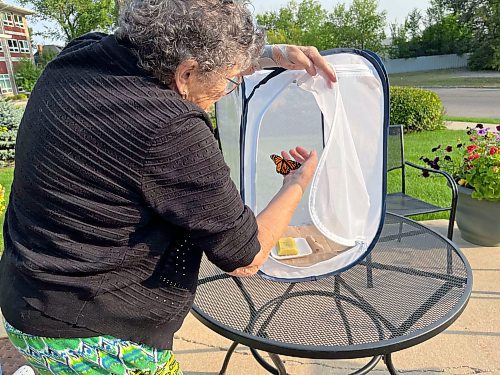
x: 218, y: 34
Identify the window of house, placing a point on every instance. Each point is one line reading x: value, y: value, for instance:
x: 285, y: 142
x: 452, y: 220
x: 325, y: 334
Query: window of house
x: 24, y: 46
x: 7, y: 19
x: 13, y: 45
x: 18, y: 20
x: 5, y: 84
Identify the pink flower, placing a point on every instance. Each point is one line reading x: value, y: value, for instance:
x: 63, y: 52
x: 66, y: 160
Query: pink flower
x: 494, y: 151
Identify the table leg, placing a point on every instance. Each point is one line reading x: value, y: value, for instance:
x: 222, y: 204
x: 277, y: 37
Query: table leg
x: 280, y: 367
x: 278, y: 363
x: 228, y: 358
x: 449, y: 262
x: 369, y: 367
x: 369, y: 271
x: 281, y: 370
x: 390, y: 365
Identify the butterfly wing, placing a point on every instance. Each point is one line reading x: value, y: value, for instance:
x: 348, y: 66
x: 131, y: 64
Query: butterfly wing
x: 278, y: 160
x: 284, y: 166
x: 288, y: 166
x: 294, y: 165
x: 284, y: 169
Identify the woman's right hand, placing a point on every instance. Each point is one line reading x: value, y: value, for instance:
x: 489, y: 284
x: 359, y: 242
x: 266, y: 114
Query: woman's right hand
x: 275, y: 218
x: 305, y: 173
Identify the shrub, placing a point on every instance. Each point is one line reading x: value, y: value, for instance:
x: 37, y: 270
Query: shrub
x: 416, y: 109
x: 16, y: 97
x: 10, y: 117
x: 27, y: 73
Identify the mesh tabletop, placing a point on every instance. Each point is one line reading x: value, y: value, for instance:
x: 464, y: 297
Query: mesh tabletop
x: 414, y: 284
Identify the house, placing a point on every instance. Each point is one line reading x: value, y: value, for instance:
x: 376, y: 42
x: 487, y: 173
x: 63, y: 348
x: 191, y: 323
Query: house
x: 47, y: 48
x: 14, y: 44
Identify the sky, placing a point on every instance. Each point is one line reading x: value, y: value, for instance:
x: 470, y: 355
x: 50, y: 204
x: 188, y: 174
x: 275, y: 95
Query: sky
x: 397, y: 10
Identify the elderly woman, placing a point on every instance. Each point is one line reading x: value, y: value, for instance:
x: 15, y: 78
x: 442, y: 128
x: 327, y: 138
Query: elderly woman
x: 120, y: 187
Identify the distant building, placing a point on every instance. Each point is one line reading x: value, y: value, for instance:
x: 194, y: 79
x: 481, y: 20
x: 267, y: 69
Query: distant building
x: 14, y: 44
x: 47, y: 48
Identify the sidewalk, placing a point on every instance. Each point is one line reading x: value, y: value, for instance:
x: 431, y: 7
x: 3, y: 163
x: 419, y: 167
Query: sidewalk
x: 470, y: 346
x: 456, y: 125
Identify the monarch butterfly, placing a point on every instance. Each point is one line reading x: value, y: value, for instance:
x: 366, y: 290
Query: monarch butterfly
x: 284, y: 166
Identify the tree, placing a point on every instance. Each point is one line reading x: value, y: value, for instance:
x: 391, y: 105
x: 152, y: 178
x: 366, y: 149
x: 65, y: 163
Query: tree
x: 359, y: 26
x: 413, y: 23
x: 436, y: 12
x: 311, y: 19
x: 463, y: 8
x: 301, y: 24
x: 476, y: 28
x: 341, y: 26
x: 307, y: 23
x: 448, y: 36
x: 368, y: 24
x: 74, y: 17
x: 406, y: 38
x: 444, y: 33
x: 486, y: 24
x: 399, y: 45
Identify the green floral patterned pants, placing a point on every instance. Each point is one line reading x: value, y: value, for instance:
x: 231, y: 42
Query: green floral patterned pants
x: 93, y: 356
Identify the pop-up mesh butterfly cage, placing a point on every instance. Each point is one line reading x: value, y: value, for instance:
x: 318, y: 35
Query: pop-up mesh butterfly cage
x: 341, y: 214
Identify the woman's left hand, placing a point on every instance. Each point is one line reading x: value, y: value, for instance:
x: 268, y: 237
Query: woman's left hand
x: 297, y: 57
x: 294, y: 58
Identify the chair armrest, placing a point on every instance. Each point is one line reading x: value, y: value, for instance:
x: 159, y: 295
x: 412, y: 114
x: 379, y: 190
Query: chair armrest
x: 451, y: 181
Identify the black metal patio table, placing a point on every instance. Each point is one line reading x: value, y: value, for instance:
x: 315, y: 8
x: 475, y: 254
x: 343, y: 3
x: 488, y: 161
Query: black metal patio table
x: 414, y: 284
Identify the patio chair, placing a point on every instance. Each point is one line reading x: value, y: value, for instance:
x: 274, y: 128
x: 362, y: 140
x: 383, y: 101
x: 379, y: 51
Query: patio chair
x: 403, y: 204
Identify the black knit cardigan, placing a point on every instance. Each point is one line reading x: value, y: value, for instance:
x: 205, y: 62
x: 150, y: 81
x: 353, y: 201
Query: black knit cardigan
x: 119, y: 188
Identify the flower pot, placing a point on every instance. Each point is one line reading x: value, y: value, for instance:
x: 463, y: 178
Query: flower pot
x: 478, y: 220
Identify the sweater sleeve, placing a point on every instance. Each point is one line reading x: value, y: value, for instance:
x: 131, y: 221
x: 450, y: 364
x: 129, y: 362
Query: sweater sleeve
x: 187, y: 182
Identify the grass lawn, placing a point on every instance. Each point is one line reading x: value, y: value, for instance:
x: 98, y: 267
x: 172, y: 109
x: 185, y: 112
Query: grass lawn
x: 476, y: 120
x: 432, y: 189
x: 446, y: 78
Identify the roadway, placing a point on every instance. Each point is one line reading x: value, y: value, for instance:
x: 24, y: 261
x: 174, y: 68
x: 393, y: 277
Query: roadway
x: 470, y: 102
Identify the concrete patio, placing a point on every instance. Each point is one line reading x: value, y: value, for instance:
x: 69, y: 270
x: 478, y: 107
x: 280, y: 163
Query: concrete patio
x: 470, y: 346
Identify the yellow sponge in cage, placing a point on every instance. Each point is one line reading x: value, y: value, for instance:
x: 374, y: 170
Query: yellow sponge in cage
x: 287, y: 246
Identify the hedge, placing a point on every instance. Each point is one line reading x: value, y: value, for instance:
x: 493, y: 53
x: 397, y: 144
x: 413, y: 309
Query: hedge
x: 16, y: 97
x: 416, y: 109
